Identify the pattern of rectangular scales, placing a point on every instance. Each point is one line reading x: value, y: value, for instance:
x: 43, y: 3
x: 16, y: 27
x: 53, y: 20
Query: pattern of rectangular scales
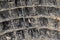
x: 29, y: 19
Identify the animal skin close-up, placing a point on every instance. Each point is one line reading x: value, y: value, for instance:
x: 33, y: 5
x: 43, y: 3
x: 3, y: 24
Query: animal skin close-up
x: 29, y: 19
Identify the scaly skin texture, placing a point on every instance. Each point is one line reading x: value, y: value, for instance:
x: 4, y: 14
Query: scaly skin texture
x: 29, y: 19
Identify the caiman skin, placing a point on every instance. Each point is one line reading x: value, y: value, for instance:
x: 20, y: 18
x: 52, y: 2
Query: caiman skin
x: 29, y: 19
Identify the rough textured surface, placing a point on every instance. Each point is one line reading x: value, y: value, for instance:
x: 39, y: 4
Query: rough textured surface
x: 29, y: 19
